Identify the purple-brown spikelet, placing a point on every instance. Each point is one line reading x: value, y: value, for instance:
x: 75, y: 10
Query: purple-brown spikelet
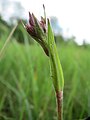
x: 37, y: 29
x: 43, y: 24
x: 31, y: 20
x: 30, y: 27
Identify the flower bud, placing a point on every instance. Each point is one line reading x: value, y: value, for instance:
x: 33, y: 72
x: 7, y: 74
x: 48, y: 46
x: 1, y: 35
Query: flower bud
x: 37, y: 29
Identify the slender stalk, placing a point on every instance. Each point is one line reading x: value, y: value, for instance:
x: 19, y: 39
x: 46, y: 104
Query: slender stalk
x: 59, y: 98
x: 7, y: 41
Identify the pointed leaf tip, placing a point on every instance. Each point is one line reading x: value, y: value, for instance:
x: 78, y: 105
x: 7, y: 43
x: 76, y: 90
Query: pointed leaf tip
x: 48, y: 20
x: 43, y: 6
x: 29, y: 14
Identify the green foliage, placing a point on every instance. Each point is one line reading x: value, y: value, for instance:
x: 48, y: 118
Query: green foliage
x: 26, y: 89
x: 56, y: 69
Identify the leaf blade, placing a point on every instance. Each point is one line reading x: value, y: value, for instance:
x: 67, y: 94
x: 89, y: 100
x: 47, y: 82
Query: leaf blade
x: 56, y: 68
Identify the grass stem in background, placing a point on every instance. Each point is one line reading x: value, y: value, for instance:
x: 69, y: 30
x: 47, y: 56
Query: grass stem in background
x: 7, y: 40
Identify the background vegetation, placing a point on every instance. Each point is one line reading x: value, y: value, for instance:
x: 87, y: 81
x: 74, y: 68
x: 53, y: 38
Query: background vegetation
x: 26, y: 91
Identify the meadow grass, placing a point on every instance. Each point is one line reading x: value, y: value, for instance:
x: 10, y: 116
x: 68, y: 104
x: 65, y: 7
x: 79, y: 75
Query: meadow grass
x: 26, y: 86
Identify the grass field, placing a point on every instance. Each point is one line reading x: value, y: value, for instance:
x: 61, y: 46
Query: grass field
x: 26, y: 91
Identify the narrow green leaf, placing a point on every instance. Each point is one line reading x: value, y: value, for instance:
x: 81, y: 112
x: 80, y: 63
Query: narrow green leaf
x: 56, y: 69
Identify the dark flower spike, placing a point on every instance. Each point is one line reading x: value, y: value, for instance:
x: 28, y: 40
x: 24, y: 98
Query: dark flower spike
x: 30, y: 30
x: 41, y: 35
x: 31, y: 20
x: 37, y: 29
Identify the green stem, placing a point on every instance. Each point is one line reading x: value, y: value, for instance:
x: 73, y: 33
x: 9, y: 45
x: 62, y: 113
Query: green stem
x: 59, y: 97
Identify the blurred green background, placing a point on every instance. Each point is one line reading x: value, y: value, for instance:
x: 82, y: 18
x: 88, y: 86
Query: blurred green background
x: 26, y: 91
